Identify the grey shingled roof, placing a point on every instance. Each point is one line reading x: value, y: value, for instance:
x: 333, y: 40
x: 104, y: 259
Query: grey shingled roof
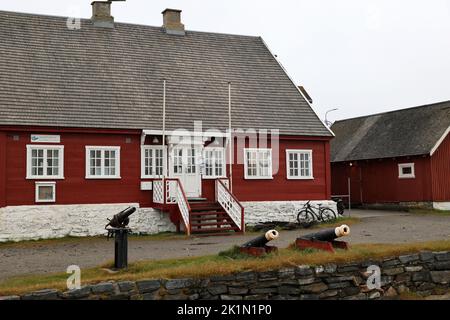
x: 407, y: 132
x: 103, y: 78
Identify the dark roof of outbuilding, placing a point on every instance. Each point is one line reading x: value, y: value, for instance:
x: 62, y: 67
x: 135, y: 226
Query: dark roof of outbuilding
x: 112, y: 78
x: 407, y: 132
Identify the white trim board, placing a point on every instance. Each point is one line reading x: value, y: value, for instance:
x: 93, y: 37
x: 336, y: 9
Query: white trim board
x: 439, y: 142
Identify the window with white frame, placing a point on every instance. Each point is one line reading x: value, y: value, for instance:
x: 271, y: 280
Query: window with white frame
x: 102, y: 162
x: 152, y: 161
x: 45, y: 162
x: 45, y: 192
x: 214, y: 162
x: 258, y: 163
x: 406, y: 171
x: 299, y: 164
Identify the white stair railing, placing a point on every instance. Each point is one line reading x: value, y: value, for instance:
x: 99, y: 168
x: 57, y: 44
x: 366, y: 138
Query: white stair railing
x: 230, y: 204
x: 170, y: 191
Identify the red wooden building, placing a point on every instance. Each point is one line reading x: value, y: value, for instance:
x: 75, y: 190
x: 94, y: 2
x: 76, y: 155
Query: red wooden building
x: 394, y: 158
x: 83, y: 131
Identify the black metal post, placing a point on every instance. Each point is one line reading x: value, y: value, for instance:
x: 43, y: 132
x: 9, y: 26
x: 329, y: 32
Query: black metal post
x: 121, y: 248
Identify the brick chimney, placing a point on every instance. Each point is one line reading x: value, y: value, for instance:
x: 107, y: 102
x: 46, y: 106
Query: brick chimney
x: 172, y: 22
x: 101, y: 14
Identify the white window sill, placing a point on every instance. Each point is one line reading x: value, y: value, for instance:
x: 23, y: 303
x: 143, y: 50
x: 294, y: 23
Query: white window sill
x: 213, y: 178
x: 103, y: 178
x: 152, y: 177
x: 300, y: 178
x: 44, y: 178
x: 45, y: 201
x: 258, y: 178
x: 407, y: 177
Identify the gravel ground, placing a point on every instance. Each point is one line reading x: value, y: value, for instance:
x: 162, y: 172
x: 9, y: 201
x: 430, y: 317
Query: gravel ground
x: 375, y: 227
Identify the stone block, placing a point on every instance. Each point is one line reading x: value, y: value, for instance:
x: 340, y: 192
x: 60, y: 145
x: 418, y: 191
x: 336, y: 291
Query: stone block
x: 77, y: 293
x: 442, y: 277
x: 47, y: 294
x: 230, y: 297
x: 147, y: 286
x: 409, y: 258
x: 103, y: 288
x: 217, y: 289
x: 178, y: 284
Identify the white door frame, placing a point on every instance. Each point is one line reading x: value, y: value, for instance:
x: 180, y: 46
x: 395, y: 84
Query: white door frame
x: 192, y: 182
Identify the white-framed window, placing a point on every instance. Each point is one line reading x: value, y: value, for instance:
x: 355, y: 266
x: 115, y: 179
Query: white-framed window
x: 406, y: 171
x: 152, y: 161
x: 214, y: 162
x: 102, y: 162
x: 45, y: 162
x: 258, y: 163
x: 45, y: 192
x: 299, y: 164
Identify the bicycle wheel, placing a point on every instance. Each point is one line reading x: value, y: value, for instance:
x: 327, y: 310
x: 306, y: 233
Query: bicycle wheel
x: 327, y: 214
x: 305, y: 218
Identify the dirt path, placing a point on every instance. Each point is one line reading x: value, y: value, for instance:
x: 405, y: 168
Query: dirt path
x: 375, y: 227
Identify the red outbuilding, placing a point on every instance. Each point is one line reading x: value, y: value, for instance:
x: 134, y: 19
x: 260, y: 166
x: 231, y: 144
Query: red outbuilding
x: 96, y: 116
x: 394, y: 158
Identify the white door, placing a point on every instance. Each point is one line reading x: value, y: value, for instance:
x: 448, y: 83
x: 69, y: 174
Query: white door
x: 184, y: 165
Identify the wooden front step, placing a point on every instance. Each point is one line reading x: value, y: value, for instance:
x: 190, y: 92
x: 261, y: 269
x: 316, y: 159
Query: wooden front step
x: 209, y: 219
x: 207, y: 213
x: 217, y: 223
x: 216, y: 218
x: 215, y: 230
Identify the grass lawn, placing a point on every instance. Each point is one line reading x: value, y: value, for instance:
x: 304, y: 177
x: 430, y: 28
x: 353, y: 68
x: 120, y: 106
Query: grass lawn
x: 224, y: 263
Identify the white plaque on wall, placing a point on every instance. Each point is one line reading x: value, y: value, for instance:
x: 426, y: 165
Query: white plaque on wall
x: 146, y: 185
x: 46, y: 138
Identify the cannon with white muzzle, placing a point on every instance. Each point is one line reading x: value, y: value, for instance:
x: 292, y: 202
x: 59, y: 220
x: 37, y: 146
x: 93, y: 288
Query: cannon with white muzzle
x: 258, y: 246
x: 324, y: 239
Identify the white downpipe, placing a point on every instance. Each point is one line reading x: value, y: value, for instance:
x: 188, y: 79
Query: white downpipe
x: 230, y: 139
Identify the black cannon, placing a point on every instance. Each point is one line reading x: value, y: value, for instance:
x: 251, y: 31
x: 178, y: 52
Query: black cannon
x: 122, y: 219
x: 324, y: 239
x: 118, y: 227
x: 258, y: 246
x: 329, y: 234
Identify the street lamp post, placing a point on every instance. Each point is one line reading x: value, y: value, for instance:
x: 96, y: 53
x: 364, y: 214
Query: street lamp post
x: 328, y: 123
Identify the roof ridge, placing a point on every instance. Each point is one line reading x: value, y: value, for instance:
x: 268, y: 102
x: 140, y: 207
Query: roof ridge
x: 393, y: 111
x: 126, y: 23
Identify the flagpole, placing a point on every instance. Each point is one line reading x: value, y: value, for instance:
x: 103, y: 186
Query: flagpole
x: 230, y: 152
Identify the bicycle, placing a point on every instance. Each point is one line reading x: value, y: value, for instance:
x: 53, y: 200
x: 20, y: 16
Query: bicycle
x: 308, y: 216
x: 339, y: 205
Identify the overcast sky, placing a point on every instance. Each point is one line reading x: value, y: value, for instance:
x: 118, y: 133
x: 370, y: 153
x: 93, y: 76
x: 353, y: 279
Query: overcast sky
x: 361, y: 56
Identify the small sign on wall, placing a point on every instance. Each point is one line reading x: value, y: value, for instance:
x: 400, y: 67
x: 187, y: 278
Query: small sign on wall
x: 146, y: 185
x: 46, y: 138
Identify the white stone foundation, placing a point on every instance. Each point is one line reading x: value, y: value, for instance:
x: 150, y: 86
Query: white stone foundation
x: 441, y: 206
x: 45, y: 222
x: 284, y: 211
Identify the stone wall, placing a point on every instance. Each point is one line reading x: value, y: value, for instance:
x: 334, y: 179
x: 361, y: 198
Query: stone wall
x: 425, y: 274
x: 19, y: 223
x: 284, y: 211
x: 45, y: 222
